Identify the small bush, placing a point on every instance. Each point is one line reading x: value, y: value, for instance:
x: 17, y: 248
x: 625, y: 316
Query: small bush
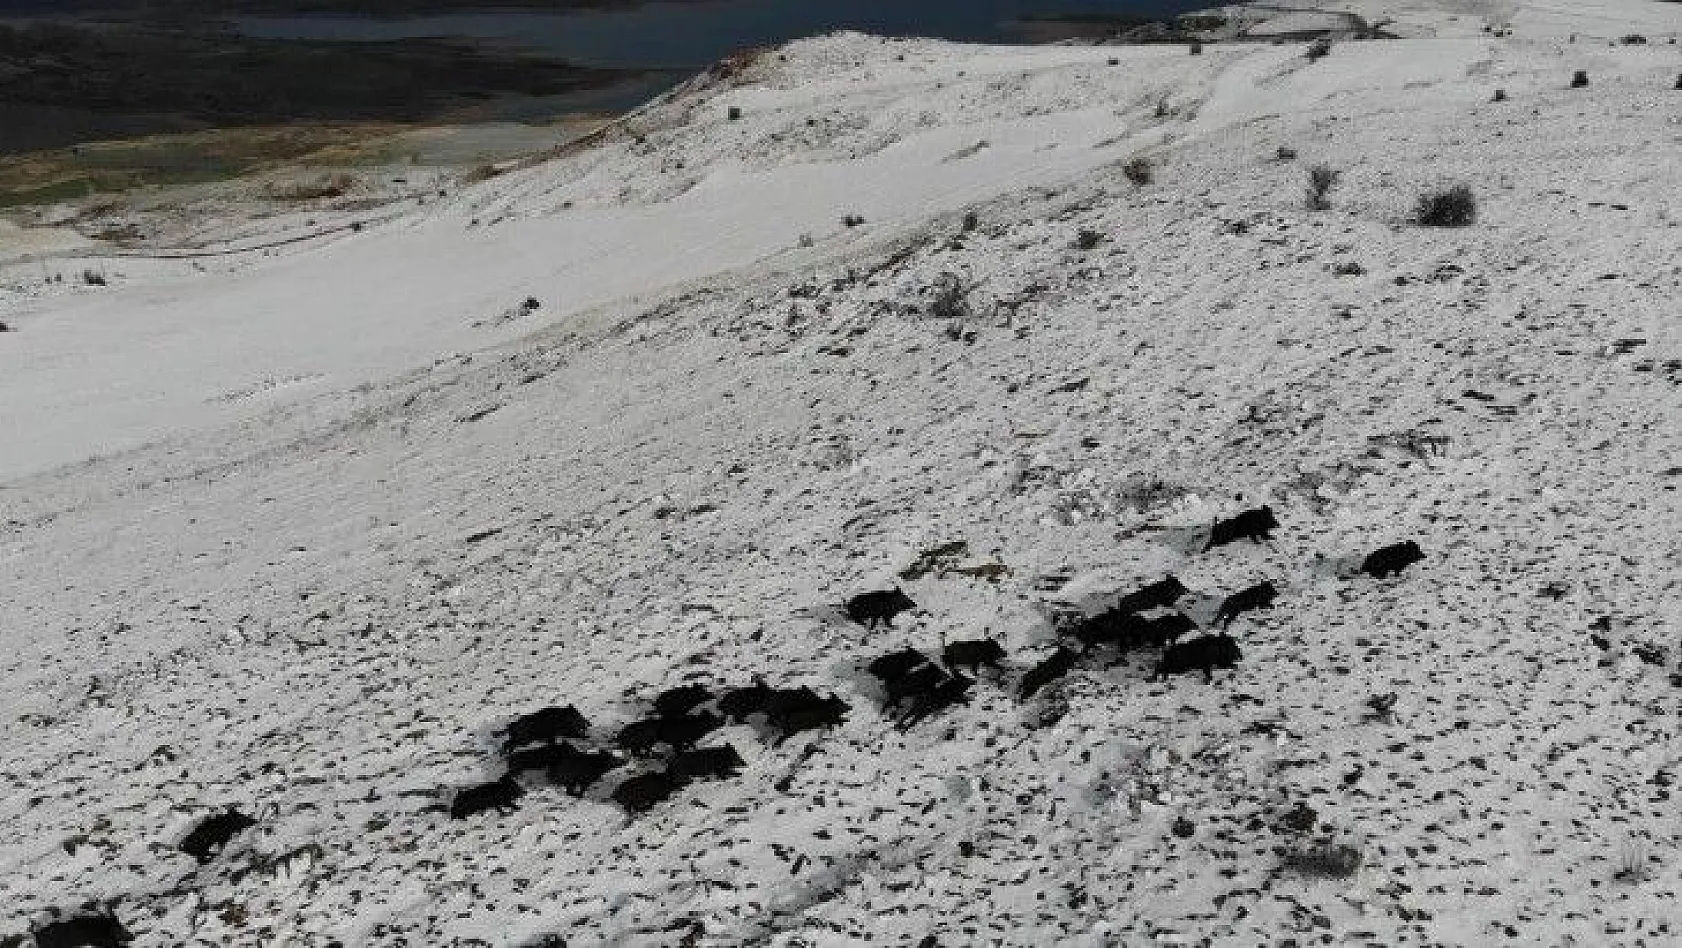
x: 1632, y: 863
x: 1318, y: 49
x: 1678, y: 82
x: 972, y: 220
x: 735, y: 113
x: 951, y: 299
x: 1321, y: 180
x: 1579, y: 79
x: 1286, y: 153
x: 1500, y: 95
x: 4, y: 327
x: 93, y: 278
x: 1088, y: 239
x: 1348, y: 268
x: 332, y: 186
x: 1322, y: 861
x: 1634, y: 39
x: 1301, y: 818
x: 852, y: 220
x: 1196, y: 48
x: 1139, y: 170
x: 1451, y: 207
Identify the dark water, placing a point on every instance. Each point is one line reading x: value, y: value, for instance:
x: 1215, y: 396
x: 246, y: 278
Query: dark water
x: 668, y: 39
x: 689, y: 35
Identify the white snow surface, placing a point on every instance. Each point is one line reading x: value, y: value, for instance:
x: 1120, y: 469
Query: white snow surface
x: 297, y: 529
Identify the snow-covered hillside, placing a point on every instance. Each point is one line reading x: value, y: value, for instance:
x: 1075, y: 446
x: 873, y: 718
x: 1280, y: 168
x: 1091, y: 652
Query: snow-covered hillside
x: 297, y: 530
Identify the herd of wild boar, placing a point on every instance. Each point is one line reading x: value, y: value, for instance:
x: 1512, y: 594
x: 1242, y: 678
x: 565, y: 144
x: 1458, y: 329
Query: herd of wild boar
x: 557, y: 743
x: 663, y: 752
x: 665, y: 747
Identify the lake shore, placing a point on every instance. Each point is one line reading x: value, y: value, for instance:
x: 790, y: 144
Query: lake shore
x: 104, y: 99
x: 72, y: 82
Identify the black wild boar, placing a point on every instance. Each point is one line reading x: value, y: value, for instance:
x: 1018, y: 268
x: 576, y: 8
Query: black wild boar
x: 740, y: 703
x: 1165, y: 630
x: 1390, y: 560
x: 681, y: 700
x: 973, y: 654
x: 213, y: 833
x: 1257, y: 525
x: 1111, y: 627
x: 644, y: 792
x: 918, y: 681
x: 868, y: 609
x: 706, y: 763
x: 500, y: 795
x: 675, y: 732
x: 1158, y: 595
x: 795, y: 710
x: 1259, y: 596
x: 541, y: 757
x: 1048, y: 671
x: 685, y: 731
x: 640, y: 737
x: 549, y: 724
x: 783, y: 700
x: 897, y: 664
x: 83, y: 931
x: 576, y: 771
x: 949, y: 693
x: 1204, y: 653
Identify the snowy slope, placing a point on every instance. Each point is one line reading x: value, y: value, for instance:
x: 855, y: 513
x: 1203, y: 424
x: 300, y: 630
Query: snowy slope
x: 316, y: 601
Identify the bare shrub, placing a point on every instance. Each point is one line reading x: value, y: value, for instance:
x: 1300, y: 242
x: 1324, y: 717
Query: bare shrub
x: 1323, y: 860
x: 1286, y: 153
x: 1454, y: 206
x: 93, y: 278
x: 1382, y: 708
x: 1632, y: 863
x: 1321, y: 180
x: 332, y: 186
x: 1318, y: 49
x: 951, y: 299
x: 1144, y: 493
x: 1139, y: 170
x: 1413, y: 442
